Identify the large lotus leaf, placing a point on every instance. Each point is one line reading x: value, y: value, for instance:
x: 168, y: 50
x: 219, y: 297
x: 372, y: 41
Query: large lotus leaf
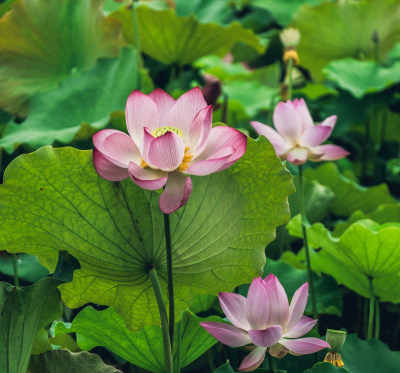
x: 349, y: 195
x: 283, y: 11
x: 386, y: 213
x: 81, y: 104
x: 53, y: 200
x: 24, y: 310
x: 42, y: 42
x: 144, y: 348
x: 335, y: 30
x: 362, y: 77
x: 325, y: 368
x: 64, y: 361
x: 365, y: 250
x: 181, y: 40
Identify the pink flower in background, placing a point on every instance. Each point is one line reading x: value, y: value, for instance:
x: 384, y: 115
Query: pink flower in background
x: 168, y: 140
x: 296, y: 137
x: 265, y: 320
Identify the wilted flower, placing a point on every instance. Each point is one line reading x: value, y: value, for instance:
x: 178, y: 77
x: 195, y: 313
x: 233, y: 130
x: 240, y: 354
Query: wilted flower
x: 265, y: 320
x: 168, y: 140
x: 296, y: 137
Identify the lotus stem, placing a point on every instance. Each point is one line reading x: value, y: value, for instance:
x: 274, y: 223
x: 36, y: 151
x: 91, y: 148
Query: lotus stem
x: 15, y: 266
x: 224, y: 115
x: 304, y: 223
x: 137, y: 43
x: 178, y: 347
x: 371, y: 307
x: 270, y: 362
x: 164, y: 320
x: 289, y: 72
x: 171, y: 299
x: 377, y: 319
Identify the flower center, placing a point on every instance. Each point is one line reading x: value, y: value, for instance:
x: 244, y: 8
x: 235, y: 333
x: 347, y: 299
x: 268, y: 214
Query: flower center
x: 163, y: 130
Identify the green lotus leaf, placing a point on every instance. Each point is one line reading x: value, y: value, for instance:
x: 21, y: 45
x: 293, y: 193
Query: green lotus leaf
x: 365, y: 250
x: 335, y: 30
x: 386, y: 213
x: 80, y: 106
x: 182, y: 40
x: 64, y: 361
x: 349, y: 195
x: 144, y: 348
x: 24, y: 311
x: 362, y: 77
x: 54, y: 200
x: 325, y: 368
x: 41, y: 37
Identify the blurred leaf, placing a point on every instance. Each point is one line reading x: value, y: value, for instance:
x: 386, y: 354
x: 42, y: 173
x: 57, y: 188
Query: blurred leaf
x: 283, y: 11
x: 79, y: 107
x: 206, y: 10
x: 225, y: 368
x: 24, y: 311
x: 5, y: 6
x: 115, y: 230
x: 317, y: 198
x: 335, y: 30
x: 362, y: 77
x: 349, y: 195
x: 64, y: 361
x: 325, y: 368
x: 394, y: 53
x: 144, y: 348
x: 386, y: 213
x: 202, y: 302
x: 28, y: 267
x: 41, y: 343
x: 366, y: 249
x: 315, y: 91
x: 50, y: 39
x: 182, y: 40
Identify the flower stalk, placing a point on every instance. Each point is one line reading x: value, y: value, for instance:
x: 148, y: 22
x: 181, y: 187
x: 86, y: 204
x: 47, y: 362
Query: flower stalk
x: 304, y: 223
x: 377, y: 319
x: 15, y: 267
x: 137, y: 43
x: 371, y: 307
x: 171, y: 299
x: 164, y: 320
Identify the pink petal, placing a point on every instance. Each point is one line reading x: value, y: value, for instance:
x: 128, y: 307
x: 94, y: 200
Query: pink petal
x: 184, y: 110
x: 257, y: 306
x: 141, y: 111
x: 166, y: 152
x: 117, y: 146
x: 267, y: 337
x: 315, y: 135
x: 278, y: 302
x: 107, y: 169
x: 200, y: 130
x: 302, y: 327
x: 288, y: 122
x: 164, y: 103
x: 176, y: 192
x: 302, y: 110
x: 330, y: 152
x: 329, y: 122
x: 297, y: 156
x: 227, y: 334
x: 279, y: 144
x: 278, y: 351
x: 147, y: 178
x: 304, y: 346
x: 297, y: 306
x: 234, y: 307
x: 253, y: 360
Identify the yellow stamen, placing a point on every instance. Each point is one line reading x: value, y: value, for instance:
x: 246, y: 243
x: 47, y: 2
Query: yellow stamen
x: 290, y: 53
x: 334, y: 358
x: 186, y: 160
x: 143, y: 163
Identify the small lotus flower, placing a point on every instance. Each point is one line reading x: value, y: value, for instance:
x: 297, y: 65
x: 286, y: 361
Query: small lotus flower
x: 168, y: 140
x: 296, y: 137
x: 265, y: 320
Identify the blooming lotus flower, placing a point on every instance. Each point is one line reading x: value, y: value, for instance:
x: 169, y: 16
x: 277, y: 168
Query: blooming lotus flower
x: 265, y: 320
x: 168, y: 141
x: 296, y: 137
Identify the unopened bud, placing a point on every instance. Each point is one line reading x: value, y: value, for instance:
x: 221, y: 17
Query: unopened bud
x: 290, y: 37
x: 336, y: 339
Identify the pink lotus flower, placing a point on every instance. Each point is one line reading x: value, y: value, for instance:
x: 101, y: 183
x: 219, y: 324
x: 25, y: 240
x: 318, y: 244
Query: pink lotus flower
x: 266, y: 320
x: 168, y: 140
x: 296, y: 137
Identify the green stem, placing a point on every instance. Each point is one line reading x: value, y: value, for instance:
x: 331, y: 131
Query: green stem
x: 164, y: 320
x: 377, y: 319
x: 178, y: 347
x: 304, y: 223
x: 289, y: 71
x: 137, y: 43
x: 224, y: 114
x: 171, y: 299
x: 15, y: 265
x: 371, y: 307
x: 270, y: 362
